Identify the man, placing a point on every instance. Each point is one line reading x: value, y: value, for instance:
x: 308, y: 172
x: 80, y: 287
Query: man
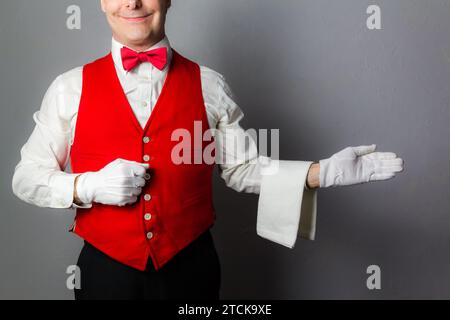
x: 145, y: 217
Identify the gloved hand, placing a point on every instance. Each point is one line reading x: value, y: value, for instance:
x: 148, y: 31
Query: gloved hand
x: 118, y: 183
x: 354, y: 165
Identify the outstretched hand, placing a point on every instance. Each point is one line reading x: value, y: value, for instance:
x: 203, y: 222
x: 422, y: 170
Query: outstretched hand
x: 355, y: 165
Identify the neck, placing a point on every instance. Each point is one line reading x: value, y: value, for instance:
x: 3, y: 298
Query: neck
x: 140, y: 46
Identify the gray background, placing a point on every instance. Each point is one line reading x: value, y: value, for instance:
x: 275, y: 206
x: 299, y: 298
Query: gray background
x: 310, y: 68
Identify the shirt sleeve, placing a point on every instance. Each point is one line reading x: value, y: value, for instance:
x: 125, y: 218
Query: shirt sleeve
x: 39, y: 177
x: 286, y: 208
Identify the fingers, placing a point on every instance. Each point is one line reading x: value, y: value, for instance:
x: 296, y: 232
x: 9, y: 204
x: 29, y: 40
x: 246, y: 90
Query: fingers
x: 127, y: 201
x: 130, y: 168
x: 381, y: 176
x: 386, y: 169
x: 381, y: 156
x: 391, y: 165
x: 122, y: 181
x: 124, y: 193
x: 390, y: 169
x: 122, y: 196
x: 139, y: 182
x: 397, y: 163
x: 384, y: 165
x: 125, y: 182
x: 138, y: 168
x: 362, y: 150
x: 135, y: 191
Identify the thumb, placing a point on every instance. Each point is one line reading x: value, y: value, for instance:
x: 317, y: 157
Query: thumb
x: 145, y: 165
x: 362, y: 150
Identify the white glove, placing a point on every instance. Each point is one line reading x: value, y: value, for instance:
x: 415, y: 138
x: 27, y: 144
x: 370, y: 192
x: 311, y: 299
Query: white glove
x: 118, y: 183
x: 354, y: 165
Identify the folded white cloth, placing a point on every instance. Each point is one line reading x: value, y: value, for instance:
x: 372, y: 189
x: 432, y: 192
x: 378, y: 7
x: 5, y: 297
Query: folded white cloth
x: 287, y: 206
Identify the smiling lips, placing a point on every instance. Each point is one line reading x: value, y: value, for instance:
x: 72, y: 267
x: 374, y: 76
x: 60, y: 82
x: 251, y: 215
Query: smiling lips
x: 136, y: 19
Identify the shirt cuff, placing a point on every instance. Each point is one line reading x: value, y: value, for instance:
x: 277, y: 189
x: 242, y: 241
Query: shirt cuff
x: 306, y: 186
x: 285, y: 209
x: 83, y: 206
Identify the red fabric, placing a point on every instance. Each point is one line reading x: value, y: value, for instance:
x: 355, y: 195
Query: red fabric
x: 181, y: 204
x: 131, y: 58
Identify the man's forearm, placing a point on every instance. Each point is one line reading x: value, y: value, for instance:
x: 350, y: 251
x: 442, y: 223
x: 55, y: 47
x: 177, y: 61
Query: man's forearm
x: 312, y: 181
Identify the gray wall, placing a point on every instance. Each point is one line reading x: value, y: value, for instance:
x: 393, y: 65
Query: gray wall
x: 310, y: 68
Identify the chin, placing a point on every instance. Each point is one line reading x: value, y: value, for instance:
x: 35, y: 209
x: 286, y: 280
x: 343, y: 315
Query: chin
x: 137, y: 36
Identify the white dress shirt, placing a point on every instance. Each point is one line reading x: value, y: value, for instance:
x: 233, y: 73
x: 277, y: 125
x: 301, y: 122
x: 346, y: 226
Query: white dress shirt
x: 285, y: 208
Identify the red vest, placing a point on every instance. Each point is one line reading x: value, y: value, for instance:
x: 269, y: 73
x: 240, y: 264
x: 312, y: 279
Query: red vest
x: 175, y: 206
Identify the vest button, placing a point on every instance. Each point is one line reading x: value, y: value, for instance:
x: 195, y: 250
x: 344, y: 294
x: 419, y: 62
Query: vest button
x: 147, y: 216
x: 147, y: 197
x: 147, y: 176
x: 149, y: 235
x: 146, y: 157
x: 146, y: 139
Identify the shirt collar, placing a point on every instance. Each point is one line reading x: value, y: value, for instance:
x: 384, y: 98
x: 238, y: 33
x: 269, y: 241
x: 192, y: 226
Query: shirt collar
x: 116, y: 46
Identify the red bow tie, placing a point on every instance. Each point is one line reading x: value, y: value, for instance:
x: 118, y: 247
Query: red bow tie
x: 131, y: 58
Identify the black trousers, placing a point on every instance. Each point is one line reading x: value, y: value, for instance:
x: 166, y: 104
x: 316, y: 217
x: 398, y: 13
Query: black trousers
x: 193, y: 274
